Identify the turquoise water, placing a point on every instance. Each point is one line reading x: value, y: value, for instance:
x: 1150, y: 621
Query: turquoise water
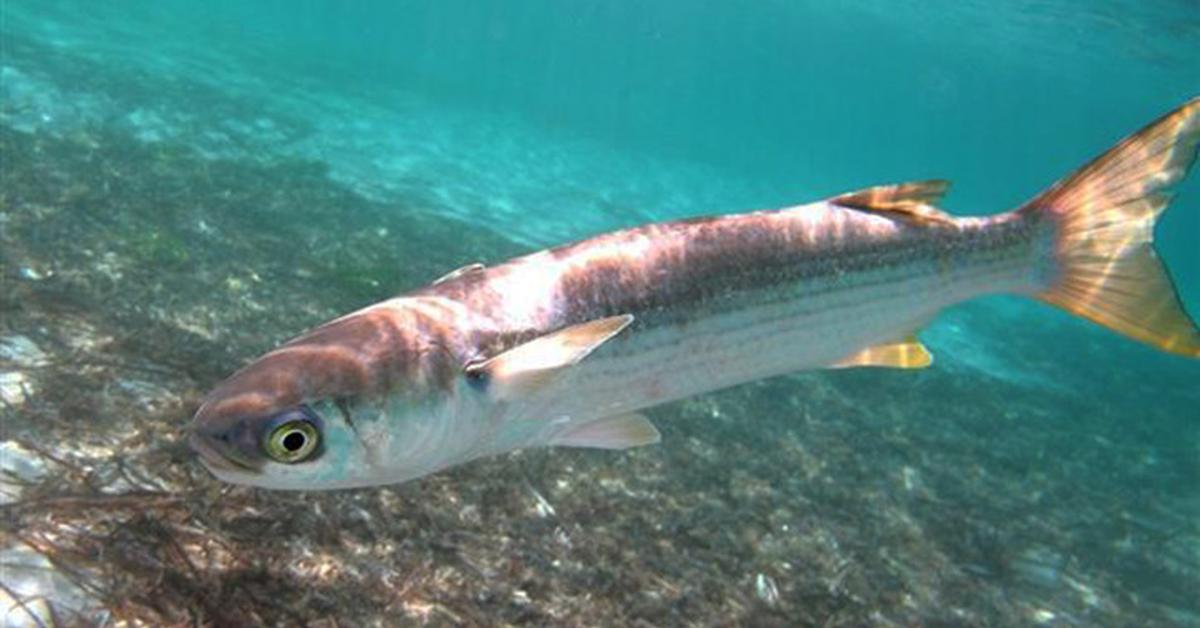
x: 186, y: 184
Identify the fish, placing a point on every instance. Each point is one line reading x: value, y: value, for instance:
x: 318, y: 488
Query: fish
x: 567, y: 346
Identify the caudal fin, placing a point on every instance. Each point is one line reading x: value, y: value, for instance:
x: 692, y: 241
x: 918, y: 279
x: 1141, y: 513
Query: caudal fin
x: 1104, y: 265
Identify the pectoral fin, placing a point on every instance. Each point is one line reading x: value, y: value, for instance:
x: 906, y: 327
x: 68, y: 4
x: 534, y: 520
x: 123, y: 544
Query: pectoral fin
x: 527, y: 367
x: 908, y: 353
x: 618, y: 432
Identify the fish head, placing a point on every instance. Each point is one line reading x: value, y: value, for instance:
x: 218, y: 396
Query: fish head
x: 365, y: 400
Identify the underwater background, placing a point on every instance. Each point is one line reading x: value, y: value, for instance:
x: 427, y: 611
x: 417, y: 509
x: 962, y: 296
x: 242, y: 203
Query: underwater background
x: 184, y: 185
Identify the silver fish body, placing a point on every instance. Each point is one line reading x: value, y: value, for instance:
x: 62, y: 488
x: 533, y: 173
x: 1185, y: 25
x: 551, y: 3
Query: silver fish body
x: 723, y: 301
x: 564, y: 346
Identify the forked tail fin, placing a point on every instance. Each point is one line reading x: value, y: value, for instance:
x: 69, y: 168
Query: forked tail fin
x: 1104, y: 266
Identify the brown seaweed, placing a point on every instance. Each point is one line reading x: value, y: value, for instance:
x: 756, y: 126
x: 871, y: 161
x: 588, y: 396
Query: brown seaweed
x: 136, y: 275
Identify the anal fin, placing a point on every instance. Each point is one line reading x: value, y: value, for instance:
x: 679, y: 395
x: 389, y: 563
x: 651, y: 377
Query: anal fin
x: 618, y: 432
x: 908, y: 353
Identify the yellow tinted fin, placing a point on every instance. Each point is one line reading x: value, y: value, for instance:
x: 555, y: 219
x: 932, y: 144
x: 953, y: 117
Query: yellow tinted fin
x: 913, y: 202
x: 1102, y: 218
x: 908, y: 353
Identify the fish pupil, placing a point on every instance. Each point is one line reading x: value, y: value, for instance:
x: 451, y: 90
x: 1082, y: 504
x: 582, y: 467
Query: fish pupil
x: 294, y: 441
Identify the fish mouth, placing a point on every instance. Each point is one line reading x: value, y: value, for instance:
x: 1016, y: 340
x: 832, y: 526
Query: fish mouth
x: 212, y: 456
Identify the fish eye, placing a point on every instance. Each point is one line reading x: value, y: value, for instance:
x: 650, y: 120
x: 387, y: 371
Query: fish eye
x: 292, y: 441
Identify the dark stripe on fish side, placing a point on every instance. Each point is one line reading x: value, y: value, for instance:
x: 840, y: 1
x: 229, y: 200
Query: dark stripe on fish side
x: 713, y: 266
x: 707, y: 266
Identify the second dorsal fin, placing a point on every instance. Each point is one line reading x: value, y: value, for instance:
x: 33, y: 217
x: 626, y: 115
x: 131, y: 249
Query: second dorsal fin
x: 912, y: 202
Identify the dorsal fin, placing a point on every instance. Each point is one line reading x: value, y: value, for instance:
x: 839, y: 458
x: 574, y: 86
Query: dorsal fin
x: 458, y: 272
x: 912, y: 202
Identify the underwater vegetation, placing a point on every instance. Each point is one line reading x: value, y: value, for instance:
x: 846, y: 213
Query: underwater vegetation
x: 137, y: 275
x: 154, y: 237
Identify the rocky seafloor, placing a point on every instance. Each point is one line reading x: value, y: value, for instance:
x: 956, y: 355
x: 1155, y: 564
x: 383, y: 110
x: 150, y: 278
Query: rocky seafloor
x: 136, y: 275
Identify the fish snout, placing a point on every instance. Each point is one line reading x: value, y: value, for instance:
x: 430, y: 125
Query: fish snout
x: 218, y: 451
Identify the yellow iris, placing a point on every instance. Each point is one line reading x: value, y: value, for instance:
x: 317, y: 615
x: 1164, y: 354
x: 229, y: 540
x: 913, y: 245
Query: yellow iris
x: 292, y: 441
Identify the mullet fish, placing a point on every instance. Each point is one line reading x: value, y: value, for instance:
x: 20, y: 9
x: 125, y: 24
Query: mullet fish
x: 565, y: 346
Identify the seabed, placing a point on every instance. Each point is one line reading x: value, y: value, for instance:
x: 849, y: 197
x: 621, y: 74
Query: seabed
x: 1038, y: 474
x: 136, y: 276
